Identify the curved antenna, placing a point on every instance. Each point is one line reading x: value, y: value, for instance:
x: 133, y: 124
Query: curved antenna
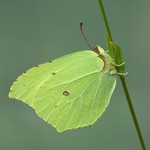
x: 81, y: 24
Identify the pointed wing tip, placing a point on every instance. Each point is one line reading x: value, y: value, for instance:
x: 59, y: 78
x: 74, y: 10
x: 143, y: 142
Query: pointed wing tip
x: 63, y: 130
x: 10, y: 94
x: 59, y: 131
x: 69, y: 129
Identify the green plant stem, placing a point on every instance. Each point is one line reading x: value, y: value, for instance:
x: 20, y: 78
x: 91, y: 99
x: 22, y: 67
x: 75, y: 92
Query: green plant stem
x: 132, y: 112
x: 105, y: 20
x: 124, y: 85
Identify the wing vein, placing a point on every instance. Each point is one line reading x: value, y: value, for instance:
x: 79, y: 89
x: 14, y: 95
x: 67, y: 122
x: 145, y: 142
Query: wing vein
x: 94, y: 99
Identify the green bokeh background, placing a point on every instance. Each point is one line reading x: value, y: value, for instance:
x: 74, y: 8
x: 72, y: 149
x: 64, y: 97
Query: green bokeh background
x: 36, y: 31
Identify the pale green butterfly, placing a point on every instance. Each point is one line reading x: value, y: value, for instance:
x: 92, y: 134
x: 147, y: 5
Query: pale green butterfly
x: 70, y: 92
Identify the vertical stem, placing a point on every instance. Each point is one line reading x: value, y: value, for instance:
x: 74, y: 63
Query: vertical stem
x: 105, y: 20
x: 132, y: 112
x: 122, y: 79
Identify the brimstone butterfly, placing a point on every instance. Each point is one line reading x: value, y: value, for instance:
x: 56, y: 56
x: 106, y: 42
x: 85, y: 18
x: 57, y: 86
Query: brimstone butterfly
x: 70, y: 92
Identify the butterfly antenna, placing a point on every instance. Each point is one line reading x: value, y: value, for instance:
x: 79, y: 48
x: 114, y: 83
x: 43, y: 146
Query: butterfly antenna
x: 81, y: 24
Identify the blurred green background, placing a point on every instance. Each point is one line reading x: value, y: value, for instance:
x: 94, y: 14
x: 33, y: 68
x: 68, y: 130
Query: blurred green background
x: 36, y: 31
